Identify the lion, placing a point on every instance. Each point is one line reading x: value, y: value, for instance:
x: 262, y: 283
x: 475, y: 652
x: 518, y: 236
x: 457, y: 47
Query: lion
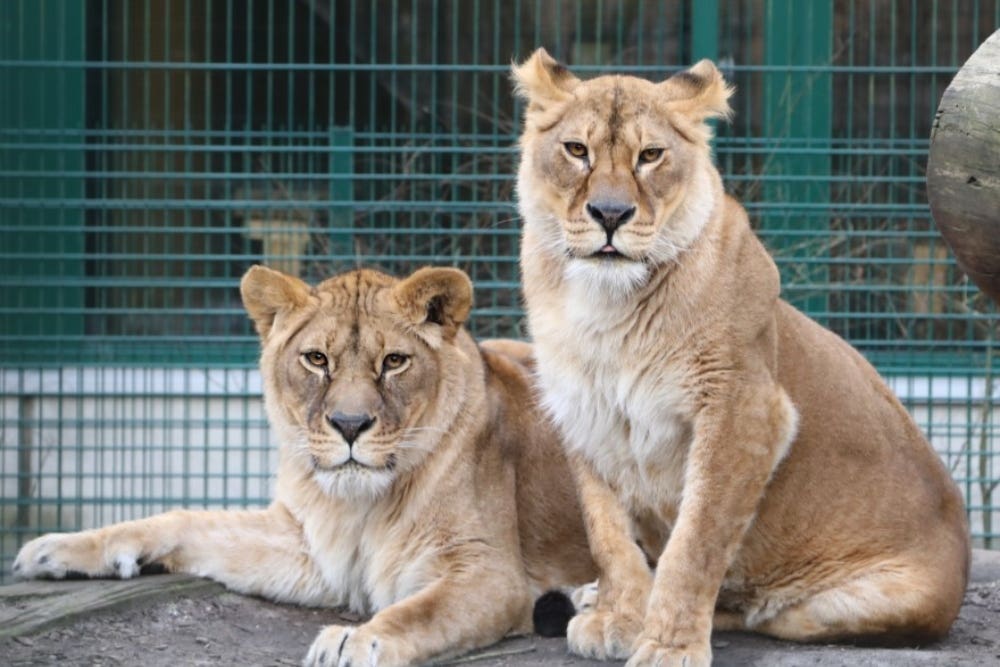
x: 740, y: 466
x: 417, y: 479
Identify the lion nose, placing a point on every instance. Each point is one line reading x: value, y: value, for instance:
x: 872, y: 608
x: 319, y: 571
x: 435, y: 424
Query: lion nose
x: 610, y: 214
x: 350, y: 426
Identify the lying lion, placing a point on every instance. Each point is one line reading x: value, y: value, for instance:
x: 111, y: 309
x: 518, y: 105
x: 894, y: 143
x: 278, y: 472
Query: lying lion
x: 416, y: 480
x: 753, y: 456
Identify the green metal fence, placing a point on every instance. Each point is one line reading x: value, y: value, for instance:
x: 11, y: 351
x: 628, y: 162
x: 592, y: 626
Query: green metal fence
x: 152, y: 150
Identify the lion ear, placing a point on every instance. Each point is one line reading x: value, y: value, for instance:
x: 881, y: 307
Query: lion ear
x: 439, y: 296
x: 268, y: 293
x: 696, y: 95
x: 542, y: 81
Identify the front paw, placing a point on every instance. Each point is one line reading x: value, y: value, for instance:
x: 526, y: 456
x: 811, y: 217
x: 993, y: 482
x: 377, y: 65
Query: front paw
x: 585, y: 597
x: 58, y: 555
x: 602, y: 635
x: 350, y: 646
x: 651, y: 653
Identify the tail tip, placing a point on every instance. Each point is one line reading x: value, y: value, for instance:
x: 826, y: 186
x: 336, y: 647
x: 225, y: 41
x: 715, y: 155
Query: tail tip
x: 552, y: 613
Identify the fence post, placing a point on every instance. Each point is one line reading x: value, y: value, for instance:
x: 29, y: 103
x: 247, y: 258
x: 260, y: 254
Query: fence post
x: 341, y: 191
x: 41, y: 140
x: 25, y: 408
x: 704, y: 30
x: 797, y: 122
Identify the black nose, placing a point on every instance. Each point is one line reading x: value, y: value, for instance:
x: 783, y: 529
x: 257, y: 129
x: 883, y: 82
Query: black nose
x: 350, y: 426
x: 610, y: 214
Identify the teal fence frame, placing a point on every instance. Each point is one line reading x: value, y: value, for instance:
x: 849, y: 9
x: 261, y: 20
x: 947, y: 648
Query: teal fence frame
x: 152, y: 150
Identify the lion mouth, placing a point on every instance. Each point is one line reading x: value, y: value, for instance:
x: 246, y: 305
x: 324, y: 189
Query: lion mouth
x: 354, y: 464
x: 608, y: 252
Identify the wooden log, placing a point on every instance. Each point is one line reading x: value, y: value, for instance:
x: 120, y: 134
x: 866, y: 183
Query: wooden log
x: 34, y: 606
x: 963, y: 168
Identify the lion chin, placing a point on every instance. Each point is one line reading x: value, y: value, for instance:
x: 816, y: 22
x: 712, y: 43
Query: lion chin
x: 353, y: 481
x: 616, y: 277
x: 352, y: 476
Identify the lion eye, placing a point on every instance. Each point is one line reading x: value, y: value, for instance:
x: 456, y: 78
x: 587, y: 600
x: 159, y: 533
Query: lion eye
x: 576, y: 149
x: 650, y: 155
x: 393, y: 361
x: 315, y: 358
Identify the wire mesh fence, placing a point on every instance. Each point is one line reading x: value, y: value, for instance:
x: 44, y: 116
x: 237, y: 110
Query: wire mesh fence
x: 152, y: 150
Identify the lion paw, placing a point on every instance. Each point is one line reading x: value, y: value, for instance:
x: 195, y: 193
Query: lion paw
x: 59, y: 555
x: 585, y: 597
x: 653, y: 654
x: 602, y: 635
x: 349, y: 646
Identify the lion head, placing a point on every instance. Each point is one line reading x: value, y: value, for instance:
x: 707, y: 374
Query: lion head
x: 616, y: 172
x: 362, y: 373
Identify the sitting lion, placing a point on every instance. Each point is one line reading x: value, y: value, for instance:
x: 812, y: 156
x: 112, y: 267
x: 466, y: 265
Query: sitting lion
x: 752, y: 455
x: 416, y: 481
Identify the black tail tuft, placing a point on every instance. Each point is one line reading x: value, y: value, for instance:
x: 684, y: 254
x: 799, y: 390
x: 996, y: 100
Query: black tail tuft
x: 552, y: 613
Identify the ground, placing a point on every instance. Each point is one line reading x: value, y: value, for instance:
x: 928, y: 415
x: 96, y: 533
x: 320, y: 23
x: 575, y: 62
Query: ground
x: 171, y: 620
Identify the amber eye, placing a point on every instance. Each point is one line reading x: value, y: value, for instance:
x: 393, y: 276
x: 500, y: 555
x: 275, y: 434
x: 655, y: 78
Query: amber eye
x: 650, y: 155
x: 576, y: 149
x: 315, y: 358
x: 392, y: 361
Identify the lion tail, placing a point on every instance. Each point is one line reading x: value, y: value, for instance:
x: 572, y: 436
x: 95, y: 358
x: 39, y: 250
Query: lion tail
x: 553, y: 610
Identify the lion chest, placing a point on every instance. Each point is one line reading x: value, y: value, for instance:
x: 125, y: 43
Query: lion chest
x: 629, y: 420
x: 361, y: 566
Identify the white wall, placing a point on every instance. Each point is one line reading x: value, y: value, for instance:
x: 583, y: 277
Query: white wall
x: 113, y: 444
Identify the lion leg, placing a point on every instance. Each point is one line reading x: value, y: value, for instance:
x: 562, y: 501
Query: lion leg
x: 612, y: 610
x: 728, y: 621
x: 738, y: 441
x: 258, y: 552
x: 895, y: 604
x: 457, y: 612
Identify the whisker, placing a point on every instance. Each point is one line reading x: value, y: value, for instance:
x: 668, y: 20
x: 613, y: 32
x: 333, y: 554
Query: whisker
x: 425, y: 429
x: 410, y: 445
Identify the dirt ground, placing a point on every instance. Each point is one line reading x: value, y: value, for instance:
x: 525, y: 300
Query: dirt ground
x: 210, y: 626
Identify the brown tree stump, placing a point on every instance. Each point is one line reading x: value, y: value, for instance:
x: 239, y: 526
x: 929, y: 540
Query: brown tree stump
x: 963, y: 168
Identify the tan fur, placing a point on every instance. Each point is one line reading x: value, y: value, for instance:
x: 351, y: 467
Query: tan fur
x: 444, y: 520
x: 754, y: 456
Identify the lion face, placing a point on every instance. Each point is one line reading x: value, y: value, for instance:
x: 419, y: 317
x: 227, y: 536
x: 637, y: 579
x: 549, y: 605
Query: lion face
x: 360, y: 371
x: 616, y: 172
